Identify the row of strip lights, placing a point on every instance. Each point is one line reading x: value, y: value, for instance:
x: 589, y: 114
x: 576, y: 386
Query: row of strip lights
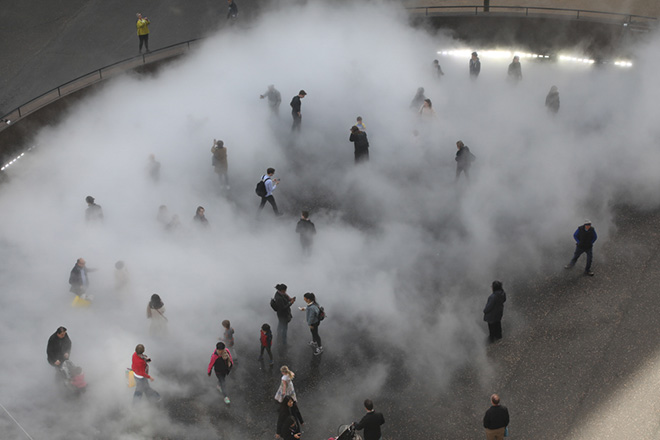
x: 465, y: 53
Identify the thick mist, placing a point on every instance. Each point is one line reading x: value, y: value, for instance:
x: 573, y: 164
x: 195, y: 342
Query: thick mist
x: 403, y: 258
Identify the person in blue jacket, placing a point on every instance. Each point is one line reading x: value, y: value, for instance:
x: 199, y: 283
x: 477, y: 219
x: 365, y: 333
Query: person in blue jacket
x: 494, y: 310
x: 585, y: 236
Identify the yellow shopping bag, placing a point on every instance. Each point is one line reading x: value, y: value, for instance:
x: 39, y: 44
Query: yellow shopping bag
x: 130, y: 378
x: 80, y: 302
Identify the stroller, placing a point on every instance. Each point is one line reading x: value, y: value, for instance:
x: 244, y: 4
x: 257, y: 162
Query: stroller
x: 346, y: 432
x: 72, y: 378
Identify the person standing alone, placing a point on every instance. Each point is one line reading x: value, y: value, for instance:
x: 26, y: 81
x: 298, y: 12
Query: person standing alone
x: 496, y: 419
x: 143, y: 31
x: 296, y: 113
x: 585, y: 236
x: 371, y: 422
x: 494, y: 310
x: 307, y: 231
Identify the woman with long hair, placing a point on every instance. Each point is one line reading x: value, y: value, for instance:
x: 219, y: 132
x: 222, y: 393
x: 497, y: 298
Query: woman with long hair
x: 286, y: 386
x: 288, y: 409
x: 156, y: 312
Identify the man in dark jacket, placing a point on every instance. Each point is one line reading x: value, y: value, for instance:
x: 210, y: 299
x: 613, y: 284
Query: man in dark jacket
x: 475, y: 66
x: 371, y: 422
x: 78, y: 278
x: 94, y: 212
x: 59, y: 347
x: 552, y: 100
x: 307, y: 231
x: 361, y: 144
x: 233, y: 10
x: 283, y: 302
x: 464, y: 159
x: 515, y: 70
x: 585, y: 237
x: 296, y: 110
x: 496, y: 419
x: 494, y: 310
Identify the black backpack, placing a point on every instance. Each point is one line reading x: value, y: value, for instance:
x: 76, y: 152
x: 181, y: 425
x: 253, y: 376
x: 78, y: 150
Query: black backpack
x: 274, y: 305
x: 321, y: 313
x: 260, y: 190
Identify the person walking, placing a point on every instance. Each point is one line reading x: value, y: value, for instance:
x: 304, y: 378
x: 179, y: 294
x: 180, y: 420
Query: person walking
x: 265, y: 191
x: 475, y: 66
x: 418, y: 99
x: 94, y: 212
x: 494, y: 310
x: 296, y: 113
x: 464, y: 159
x: 156, y: 313
x: 140, y: 367
x: 585, y: 236
x: 143, y: 31
x: 437, y: 70
x: 78, y: 279
x: 496, y: 419
x: 514, y: 72
x: 274, y: 99
x: 426, y: 111
x: 222, y: 363
x: 307, y: 231
x: 371, y: 422
x: 266, y: 341
x: 59, y: 347
x: 282, y: 303
x: 360, y: 144
x: 313, y: 317
x: 288, y: 409
x: 286, y: 385
x: 552, y: 100
x: 228, y: 337
x: 219, y: 162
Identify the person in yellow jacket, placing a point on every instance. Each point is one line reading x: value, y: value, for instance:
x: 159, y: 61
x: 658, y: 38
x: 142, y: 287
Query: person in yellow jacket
x: 143, y: 31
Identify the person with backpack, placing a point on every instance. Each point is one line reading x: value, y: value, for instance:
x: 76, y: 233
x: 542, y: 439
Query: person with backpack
x: 282, y: 303
x: 265, y: 189
x: 222, y: 362
x: 315, y: 315
x: 464, y: 159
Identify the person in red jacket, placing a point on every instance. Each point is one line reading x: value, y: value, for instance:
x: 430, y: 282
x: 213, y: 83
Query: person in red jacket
x: 266, y: 339
x: 222, y: 362
x: 140, y: 367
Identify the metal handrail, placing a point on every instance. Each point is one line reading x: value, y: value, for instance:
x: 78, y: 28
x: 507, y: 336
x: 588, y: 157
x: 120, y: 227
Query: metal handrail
x: 93, y: 77
x: 476, y: 8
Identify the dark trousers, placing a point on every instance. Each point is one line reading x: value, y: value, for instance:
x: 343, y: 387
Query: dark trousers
x: 306, y: 244
x: 315, y: 334
x: 282, y: 328
x: 270, y: 199
x: 495, y: 330
x: 142, y: 387
x: 465, y: 170
x: 362, y: 156
x: 270, y: 353
x: 579, y: 251
x: 221, y: 382
x: 144, y: 39
x: 297, y: 120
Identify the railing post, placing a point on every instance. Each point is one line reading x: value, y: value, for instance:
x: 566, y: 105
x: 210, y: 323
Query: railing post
x: 578, y: 14
x: 100, y: 74
x: 59, y: 94
x: 526, y: 12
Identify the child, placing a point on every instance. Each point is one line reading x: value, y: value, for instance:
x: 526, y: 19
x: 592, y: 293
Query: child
x: 228, y: 337
x: 286, y: 386
x: 266, y: 342
x: 74, y: 377
x: 222, y: 362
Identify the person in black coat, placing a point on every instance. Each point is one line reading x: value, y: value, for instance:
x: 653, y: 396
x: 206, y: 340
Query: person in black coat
x: 371, y: 422
x: 233, y: 10
x: 78, y: 277
x: 284, y: 303
x: 288, y: 409
x: 59, y: 347
x: 496, y: 419
x: 464, y: 159
x: 552, y: 100
x: 307, y: 231
x: 296, y: 107
x: 585, y: 236
x: 361, y: 144
x: 494, y: 310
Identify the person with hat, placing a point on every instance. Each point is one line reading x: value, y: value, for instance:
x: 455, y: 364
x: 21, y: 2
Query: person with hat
x: 94, y: 212
x: 295, y: 110
x: 585, y: 236
x: 475, y: 66
x: 282, y: 303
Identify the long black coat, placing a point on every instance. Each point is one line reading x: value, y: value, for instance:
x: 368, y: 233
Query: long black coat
x: 57, y: 347
x: 495, y: 307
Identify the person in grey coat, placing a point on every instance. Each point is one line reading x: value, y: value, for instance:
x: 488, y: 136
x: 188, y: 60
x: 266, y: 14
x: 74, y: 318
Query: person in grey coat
x: 313, y: 321
x: 494, y: 310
